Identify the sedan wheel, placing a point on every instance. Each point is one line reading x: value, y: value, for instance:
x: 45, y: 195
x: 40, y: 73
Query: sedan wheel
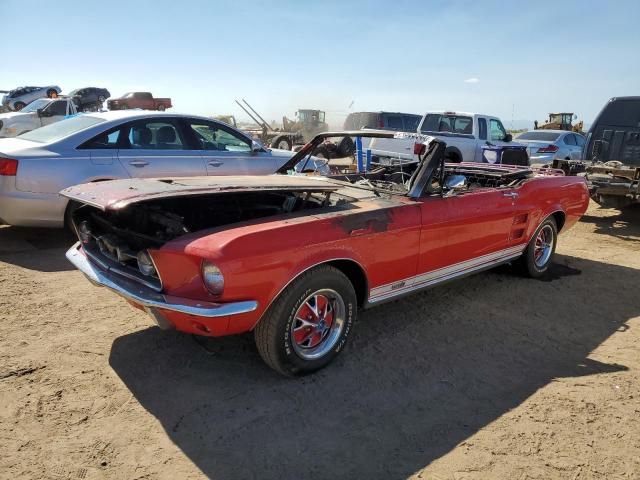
x: 18, y: 106
x: 161, y: 108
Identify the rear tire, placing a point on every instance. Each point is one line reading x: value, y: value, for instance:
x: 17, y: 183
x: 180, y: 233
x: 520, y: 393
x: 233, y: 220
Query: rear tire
x: 346, y: 147
x: 51, y: 93
x: 452, y: 156
x: 281, y: 143
x: 540, y: 251
x: 161, y: 108
x: 309, y: 323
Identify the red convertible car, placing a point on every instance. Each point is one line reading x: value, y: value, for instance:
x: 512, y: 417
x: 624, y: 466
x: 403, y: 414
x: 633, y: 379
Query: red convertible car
x: 294, y: 257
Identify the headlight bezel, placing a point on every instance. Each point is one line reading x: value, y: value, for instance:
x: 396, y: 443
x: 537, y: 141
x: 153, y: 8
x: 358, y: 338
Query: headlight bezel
x: 145, y: 264
x: 212, y: 277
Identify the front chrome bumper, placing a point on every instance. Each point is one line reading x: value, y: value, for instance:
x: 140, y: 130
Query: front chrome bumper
x: 149, y: 298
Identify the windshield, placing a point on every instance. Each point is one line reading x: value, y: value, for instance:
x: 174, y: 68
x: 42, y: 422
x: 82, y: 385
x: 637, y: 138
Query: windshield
x: 538, y: 135
x: 62, y: 129
x: 35, y: 105
x: 128, y: 95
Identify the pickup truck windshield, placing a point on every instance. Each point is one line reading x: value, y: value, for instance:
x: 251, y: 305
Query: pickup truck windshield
x: 62, y: 129
x: 35, y: 105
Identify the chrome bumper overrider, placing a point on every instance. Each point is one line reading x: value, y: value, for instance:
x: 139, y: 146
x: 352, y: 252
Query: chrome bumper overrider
x: 149, y: 298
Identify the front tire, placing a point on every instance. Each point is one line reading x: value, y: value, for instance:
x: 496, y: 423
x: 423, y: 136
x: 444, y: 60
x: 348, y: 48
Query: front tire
x: 18, y: 106
x: 309, y: 323
x: 161, y: 108
x: 539, y: 254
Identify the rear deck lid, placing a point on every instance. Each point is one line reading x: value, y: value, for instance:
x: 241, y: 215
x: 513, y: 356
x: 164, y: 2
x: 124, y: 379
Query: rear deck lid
x: 116, y: 194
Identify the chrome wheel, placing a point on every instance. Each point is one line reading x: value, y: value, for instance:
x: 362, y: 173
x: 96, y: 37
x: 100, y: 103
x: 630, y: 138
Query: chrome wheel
x: 317, y: 324
x: 283, y: 145
x: 543, y: 246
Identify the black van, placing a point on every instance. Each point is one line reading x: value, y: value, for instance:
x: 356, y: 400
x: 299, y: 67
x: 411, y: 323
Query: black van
x: 615, y: 133
x: 402, y: 122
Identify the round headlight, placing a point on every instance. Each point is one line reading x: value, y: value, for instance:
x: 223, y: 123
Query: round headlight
x: 145, y: 264
x: 212, y: 278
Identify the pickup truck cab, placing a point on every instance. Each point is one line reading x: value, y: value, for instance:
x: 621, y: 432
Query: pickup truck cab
x: 143, y: 100
x: 464, y: 133
x: 38, y: 113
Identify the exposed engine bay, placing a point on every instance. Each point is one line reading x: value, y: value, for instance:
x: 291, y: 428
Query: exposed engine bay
x: 158, y: 221
x: 118, y: 239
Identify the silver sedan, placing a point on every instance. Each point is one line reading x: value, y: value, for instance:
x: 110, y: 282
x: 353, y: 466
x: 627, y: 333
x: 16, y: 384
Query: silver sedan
x: 35, y: 166
x: 21, y: 97
x: 545, y: 146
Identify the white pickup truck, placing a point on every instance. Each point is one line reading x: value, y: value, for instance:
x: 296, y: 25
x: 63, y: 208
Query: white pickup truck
x: 465, y: 134
x: 37, y: 114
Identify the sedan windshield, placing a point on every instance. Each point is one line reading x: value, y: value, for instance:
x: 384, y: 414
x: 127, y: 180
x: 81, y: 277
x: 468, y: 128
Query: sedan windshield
x: 35, y: 105
x: 539, y: 135
x: 62, y: 129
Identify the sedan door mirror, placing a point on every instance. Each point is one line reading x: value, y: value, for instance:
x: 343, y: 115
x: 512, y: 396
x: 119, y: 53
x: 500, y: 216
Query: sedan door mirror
x: 256, y: 147
x: 42, y: 112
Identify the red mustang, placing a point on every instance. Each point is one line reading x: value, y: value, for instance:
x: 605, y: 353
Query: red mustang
x: 293, y: 257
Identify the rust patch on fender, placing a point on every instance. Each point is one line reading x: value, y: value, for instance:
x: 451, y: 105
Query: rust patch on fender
x: 366, y: 222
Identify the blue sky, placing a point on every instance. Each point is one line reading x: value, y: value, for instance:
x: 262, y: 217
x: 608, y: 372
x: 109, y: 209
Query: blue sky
x: 512, y: 59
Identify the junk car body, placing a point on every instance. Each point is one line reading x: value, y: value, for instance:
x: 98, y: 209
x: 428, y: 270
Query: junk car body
x: 294, y: 257
x: 20, y: 97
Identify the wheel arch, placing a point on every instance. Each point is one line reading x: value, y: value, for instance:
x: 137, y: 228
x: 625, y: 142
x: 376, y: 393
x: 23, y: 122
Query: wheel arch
x: 351, y: 268
x: 560, y: 217
x: 455, y: 151
x: 356, y: 275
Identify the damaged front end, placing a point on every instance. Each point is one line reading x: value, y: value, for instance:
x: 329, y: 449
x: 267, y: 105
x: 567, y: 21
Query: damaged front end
x: 121, y: 241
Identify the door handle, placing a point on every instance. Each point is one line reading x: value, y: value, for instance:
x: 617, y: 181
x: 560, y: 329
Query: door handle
x: 215, y: 163
x: 513, y: 195
x: 138, y: 163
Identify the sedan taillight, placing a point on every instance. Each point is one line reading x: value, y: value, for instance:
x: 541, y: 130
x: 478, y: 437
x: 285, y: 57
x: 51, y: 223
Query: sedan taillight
x: 548, y: 149
x: 8, y: 167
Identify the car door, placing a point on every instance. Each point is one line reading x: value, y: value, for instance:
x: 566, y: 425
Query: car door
x: 144, y: 100
x: 156, y: 147
x: 465, y: 231
x: 571, y: 143
x: 497, y: 132
x: 54, y: 112
x: 580, y: 141
x: 226, y: 151
x: 481, y: 138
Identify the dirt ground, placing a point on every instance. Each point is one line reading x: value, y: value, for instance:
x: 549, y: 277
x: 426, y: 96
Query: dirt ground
x: 493, y: 376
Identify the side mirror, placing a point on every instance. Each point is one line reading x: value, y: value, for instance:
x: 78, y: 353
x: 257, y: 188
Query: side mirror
x: 508, y: 137
x: 41, y: 112
x: 454, y: 183
x: 256, y: 147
